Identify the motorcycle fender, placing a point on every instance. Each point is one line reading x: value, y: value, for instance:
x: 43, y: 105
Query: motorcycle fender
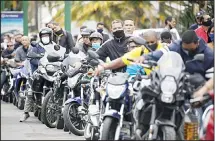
x: 112, y: 113
x: 161, y: 122
x: 76, y: 99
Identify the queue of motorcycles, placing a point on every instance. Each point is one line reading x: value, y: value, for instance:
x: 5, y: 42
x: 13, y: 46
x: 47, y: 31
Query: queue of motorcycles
x: 112, y: 106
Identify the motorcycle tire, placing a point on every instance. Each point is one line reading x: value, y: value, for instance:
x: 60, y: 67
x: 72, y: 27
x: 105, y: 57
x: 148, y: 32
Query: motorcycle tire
x: 21, y: 103
x: 60, y: 123
x: 66, y: 116
x: 168, y: 133
x: 44, y: 111
x: 11, y: 98
x: 109, y: 128
x: 14, y: 100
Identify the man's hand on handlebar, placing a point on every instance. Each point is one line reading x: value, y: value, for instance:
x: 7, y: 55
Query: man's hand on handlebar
x: 98, y: 70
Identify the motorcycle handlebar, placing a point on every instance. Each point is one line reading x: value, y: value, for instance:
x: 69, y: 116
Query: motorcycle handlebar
x: 199, y: 101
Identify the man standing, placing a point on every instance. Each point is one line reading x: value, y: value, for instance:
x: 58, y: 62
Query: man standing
x: 100, y: 29
x: 116, y: 47
x: 170, y: 23
x: 63, y: 38
x: 18, y: 39
x: 129, y: 27
x: 198, y: 19
x: 203, y: 29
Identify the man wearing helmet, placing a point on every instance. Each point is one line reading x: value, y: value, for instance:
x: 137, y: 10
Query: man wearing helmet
x: 198, y: 19
x: 86, y: 40
x: 96, y: 40
x: 45, y: 36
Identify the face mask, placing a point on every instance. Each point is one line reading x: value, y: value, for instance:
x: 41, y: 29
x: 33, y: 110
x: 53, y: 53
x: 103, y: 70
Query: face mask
x: 153, y: 47
x: 45, y: 40
x: 119, y: 33
x: 100, y: 30
x: 211, y: 35
x: 208, y: 23
x: 190, y: 52
x: 59, y: 32
x: 96, y: 45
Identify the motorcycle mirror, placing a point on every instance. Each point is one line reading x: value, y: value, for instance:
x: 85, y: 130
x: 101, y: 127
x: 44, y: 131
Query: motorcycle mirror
x: 93, y: 54
x: 57, y: 47
x: 94, y: 62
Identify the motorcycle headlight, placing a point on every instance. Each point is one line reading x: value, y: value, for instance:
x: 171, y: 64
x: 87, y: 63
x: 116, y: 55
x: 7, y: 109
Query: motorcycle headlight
x: 50, y: 68
x: 41, y: 69
x: 115, y: 91
x: 168, y: 88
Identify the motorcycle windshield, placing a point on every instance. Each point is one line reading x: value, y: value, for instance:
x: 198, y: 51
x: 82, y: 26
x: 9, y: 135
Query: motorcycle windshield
x: 171, y: 64
x: 74, y: 58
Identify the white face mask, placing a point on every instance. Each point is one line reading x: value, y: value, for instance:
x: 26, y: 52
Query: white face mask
x: 45, y: 40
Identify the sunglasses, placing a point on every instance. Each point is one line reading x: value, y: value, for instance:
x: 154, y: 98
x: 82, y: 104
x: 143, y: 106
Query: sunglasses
x: 152, y: 42
x: 9, y: 45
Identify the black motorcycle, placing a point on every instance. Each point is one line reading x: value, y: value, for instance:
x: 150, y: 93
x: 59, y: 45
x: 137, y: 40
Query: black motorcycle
x: 159, y: 107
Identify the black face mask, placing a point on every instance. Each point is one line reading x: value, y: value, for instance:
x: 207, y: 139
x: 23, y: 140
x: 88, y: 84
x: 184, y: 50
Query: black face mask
x: 208, y: 23
x: 153, y: 47
x: 100, y: 30
x: 119, y: 34
x: 59, y: 32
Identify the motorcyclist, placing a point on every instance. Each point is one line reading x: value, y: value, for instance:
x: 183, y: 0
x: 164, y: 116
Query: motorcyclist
x: 198, y: 20
x: 152, y: 43
x: 8, y: 53
x: 203, y: 29
x: 96, y: 40
x: 100, y: 29
x: 18, y: 39
x: 188, y: 47
x: 86, y: 40
x: 62, y: 37
x: 45, y: 36
x: 116, y: 47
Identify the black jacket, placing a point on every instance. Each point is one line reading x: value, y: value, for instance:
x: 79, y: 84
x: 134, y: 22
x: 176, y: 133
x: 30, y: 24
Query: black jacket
x: 65, y: 40
x: 7, y: 54
x: 105, y: 37
x: 113, y: 48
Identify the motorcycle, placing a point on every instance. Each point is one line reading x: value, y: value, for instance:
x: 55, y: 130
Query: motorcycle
x: 6, y: 90
x: 96, y: 106
x: 75, y: 108
x: 207, y: 129
x: 43, y: 78
x: 57, y: 96
x: 159, y: 105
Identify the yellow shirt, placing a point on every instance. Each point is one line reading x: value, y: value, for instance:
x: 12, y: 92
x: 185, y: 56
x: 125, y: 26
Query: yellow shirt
x: 137, y: 52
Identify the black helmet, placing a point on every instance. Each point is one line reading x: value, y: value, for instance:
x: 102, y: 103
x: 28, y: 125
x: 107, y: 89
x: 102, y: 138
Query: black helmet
x: 96, y: 35
x: 87, y: 32
x: 44, y: 31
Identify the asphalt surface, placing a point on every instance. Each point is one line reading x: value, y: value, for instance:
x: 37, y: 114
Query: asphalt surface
x: 31, y: 129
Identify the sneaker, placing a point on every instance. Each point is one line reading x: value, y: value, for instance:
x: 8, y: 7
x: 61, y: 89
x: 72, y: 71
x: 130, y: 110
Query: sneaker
x: 24, y: 117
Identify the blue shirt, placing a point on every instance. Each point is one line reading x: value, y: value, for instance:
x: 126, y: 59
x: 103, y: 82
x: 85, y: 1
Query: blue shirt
x: 134, y: 69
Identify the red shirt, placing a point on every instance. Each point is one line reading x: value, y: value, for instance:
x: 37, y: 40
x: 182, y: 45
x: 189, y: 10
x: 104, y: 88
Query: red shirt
x: 202, y: 33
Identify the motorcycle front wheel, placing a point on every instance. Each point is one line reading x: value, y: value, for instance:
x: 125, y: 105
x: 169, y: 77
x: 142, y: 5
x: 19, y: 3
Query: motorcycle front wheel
x: 109, y: 128
x: 168, y: 133
x: 73, y: 120
x: 49, y: 110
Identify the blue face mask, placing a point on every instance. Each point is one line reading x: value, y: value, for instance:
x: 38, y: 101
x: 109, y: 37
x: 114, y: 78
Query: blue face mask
x: 211, y: 35
x: 96, y: 45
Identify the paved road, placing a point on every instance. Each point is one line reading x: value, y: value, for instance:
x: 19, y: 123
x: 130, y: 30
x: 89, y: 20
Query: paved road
x: 32, y: 129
